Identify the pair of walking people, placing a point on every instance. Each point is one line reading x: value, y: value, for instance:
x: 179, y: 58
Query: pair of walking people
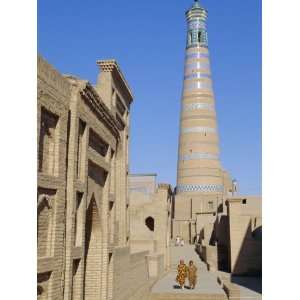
x: 184, y: 271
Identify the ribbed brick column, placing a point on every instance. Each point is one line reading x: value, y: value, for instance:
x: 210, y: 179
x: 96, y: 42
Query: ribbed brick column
x: 199, y: 168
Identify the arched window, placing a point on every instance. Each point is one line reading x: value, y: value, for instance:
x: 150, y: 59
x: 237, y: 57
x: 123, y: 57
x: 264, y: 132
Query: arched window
x: 149, y: 222
x: 199, y: 36
x: 190, y: 38
x: 44, y: 225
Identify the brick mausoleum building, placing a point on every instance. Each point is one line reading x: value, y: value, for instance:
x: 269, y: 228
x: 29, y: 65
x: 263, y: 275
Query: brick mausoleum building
x: 83, y: 200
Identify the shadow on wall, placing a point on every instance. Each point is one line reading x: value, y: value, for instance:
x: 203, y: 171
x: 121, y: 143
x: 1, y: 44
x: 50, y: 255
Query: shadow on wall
x: 247, y: 270
x: 251, y: 283
x: 223, y: 244
x: 249, y: 259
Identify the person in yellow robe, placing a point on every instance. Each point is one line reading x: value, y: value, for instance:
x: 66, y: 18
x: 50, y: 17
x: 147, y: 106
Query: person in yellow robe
x: 182, y: 273
x: 192, y: 274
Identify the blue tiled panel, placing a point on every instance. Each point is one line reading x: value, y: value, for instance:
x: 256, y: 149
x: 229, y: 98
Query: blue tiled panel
x: 204, y: 188
x: 197, y: 85
x: 197, y: 75
x: 195, y: 24
x: 197, y: 65
x: 196, y: 55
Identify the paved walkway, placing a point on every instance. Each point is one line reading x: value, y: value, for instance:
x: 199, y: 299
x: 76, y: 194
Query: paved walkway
x: 207, y: 281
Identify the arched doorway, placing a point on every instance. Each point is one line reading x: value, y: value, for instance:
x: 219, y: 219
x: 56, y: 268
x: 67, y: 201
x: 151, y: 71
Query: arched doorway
x: 92, y: 270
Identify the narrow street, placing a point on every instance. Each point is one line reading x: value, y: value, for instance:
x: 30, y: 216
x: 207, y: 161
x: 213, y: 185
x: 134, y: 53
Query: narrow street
x: 207, y: 286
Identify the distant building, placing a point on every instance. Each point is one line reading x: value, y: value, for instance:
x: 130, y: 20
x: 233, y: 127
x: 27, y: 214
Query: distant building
x: 144, y: 183
x: 150, y: 218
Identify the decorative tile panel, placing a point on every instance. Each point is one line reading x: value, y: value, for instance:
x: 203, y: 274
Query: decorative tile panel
x: 197, y: 65
x: 196, y: 55
x: 197, y: 75
x: 197, y: 85
x: 196, y: 24
x: 204, y: 188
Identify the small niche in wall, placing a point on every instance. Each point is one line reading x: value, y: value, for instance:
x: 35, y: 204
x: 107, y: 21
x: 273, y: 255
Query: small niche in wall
x: 79, y: 219
x: 81, y: 149
x: 48, y: 143
x: 149, y: 222
x: 110, y: 205
x: 97, y: 173
x: 43, y: 280
x: 45, y: 215
x: 97, y: 143
x: 76, y: 280
x: 120, y: 106
x: 199, y: 37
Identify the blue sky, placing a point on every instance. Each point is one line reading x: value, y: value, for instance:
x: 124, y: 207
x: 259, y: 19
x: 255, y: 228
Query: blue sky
x: 148, y: 40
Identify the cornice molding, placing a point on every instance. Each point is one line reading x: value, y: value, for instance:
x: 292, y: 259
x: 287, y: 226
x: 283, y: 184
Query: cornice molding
x: 89, y: 94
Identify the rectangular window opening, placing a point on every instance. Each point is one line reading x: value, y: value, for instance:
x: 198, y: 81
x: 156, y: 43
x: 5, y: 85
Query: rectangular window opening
x: 48, y: 143
x: 81, y: 149
x: 79, y: 219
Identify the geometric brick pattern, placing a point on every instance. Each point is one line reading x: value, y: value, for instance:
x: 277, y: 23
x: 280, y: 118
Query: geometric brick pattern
x: 204, y: 188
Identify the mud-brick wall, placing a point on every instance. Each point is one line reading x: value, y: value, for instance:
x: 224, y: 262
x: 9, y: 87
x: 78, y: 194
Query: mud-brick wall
x: 131, y: 280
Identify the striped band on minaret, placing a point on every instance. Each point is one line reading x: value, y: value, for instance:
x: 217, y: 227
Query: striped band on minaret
x: 199, y: 168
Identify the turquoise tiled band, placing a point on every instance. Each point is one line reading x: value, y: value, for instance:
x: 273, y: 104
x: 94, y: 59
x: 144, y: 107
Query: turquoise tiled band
x: 204, y: 188
x: 197, y: 65
x: 197, y: 75
x: 196, y: 24
x: 197, y: 85
x: 196, y: 55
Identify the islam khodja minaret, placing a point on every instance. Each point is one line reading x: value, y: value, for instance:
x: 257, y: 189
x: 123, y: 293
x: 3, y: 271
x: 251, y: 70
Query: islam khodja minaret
x: 200, y: 178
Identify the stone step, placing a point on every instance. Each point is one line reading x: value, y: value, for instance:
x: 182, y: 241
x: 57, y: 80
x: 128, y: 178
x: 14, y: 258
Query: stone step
x: 185, y: 296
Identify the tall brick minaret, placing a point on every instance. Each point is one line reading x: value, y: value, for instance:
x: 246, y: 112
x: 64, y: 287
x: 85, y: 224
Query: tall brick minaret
x: 199, y: 169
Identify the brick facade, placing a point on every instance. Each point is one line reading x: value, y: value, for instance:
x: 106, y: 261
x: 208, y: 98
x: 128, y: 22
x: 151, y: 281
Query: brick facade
x: 83, y: 204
